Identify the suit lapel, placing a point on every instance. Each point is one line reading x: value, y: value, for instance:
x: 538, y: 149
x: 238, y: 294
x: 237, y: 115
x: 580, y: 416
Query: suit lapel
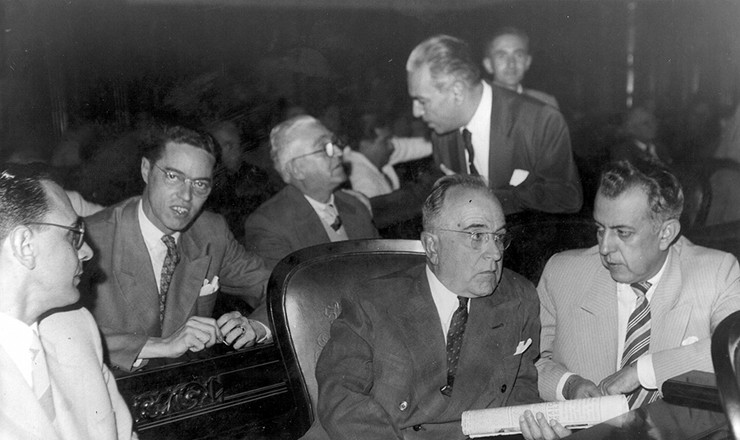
x: 422, y: 333
x: 501, y: 152
x: 349, y: 216
x: 449, y: 150
x: 306, y: 224
x: 187, y: 281
x: 18, y: 405
x: 135, y: 277
x: 669, y: 321
x: 598, y: 312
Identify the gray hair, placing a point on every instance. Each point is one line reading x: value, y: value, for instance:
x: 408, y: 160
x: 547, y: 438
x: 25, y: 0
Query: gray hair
x: 449, y: 59
x: 434, y: 204
x: 281, y: 138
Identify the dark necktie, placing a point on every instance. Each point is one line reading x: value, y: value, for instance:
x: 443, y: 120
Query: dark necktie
x: 454, y: 343
x: 337, y: 223
x: 40, y: 377
x: 168, y: 268
x: 637, y: 343
x: 468, y: 141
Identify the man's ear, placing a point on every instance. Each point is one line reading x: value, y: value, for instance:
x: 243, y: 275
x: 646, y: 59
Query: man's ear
x: 429, y: 243
x: 145, y: 169
x: 669, y: 230
x: 458, y: 91
x: 527, y: 62
x: 295, y: 171
x: 488, y: 65
x: 23, y: 246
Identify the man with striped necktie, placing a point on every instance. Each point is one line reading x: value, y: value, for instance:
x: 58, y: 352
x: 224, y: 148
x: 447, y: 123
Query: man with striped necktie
x: 638, y: 308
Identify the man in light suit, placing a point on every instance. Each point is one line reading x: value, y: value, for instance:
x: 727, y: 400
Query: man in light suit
x: 160, y: 261
x: 311, y: 209
x: 588, y: 302
x: 53, y: 382
x: 399, y: 365
x: 507, y: 58
x: 520, y: 145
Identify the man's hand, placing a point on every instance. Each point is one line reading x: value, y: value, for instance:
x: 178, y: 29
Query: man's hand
x: 195, y: 335
x: 538, y: 428
x: 577, y: 387
x: 239, y: 331
x: 447, y: 171
x: 623, y: 381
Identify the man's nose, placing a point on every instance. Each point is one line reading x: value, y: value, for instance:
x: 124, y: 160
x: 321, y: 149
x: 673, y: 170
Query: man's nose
x: 84, y: 253
x: 492, y: 250
x: 606, y: 243
x: 185, y: 191
x: 511, y: 62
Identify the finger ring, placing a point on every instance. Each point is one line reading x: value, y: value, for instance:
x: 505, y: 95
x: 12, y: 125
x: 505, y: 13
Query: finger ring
x: 241, y: 327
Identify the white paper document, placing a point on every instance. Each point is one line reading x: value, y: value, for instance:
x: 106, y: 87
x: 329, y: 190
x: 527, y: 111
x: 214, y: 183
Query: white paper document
x: 580, y: 413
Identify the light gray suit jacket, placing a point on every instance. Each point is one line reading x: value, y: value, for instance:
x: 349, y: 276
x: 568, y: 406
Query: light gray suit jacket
x: 86, y: 400
x: 578, y: 301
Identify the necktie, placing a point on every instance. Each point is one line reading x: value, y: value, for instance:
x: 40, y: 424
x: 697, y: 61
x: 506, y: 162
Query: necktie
x: 168, y: 268
x: 637, y: 342
x: 468, y: 141
x: 454, y: 343
x: 40, y: 377
x: 337, y: 223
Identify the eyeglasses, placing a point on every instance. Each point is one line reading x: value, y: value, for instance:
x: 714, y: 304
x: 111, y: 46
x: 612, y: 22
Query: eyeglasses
x: 328, y: 149
x: 77, y: 230
x: 201, y: 187
x: 478, y: 239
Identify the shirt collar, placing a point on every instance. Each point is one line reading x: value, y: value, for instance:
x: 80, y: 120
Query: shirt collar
x: 152, y: 235
x: 318, y: 206
x: 481, y: 119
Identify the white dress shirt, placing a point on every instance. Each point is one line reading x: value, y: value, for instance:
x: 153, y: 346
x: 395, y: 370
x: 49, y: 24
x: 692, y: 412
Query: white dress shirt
x: 479, y: 127
x: 154, y: 244
x: 15, y: 339
x: 328, y: 212
x: 444, y: 299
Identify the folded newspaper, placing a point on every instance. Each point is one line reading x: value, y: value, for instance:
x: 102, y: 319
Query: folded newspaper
x: 572, y: 414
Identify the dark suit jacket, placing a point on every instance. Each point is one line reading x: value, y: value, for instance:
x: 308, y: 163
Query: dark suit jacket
x: 287, y: 223
x: 528, y: 135
x: 86, y: 400
x: 381, y: 372
x: 120, y: 284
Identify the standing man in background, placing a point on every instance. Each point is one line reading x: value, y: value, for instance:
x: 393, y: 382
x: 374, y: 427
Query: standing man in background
x: 507, y: 58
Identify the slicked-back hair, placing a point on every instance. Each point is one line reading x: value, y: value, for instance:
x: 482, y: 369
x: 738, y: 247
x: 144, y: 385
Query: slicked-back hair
x: 281, y: 137
x: 449, y: 59
x: 662, y: 188
x: 158, y: 137
x: 507, y: 30
x: 434, y: 204
x: 23, y: 199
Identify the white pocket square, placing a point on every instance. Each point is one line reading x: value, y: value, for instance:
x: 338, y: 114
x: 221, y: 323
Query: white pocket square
x: 688, y: 341
x: 518, y: 176
x: 523, y: 346
x: 209, y: 288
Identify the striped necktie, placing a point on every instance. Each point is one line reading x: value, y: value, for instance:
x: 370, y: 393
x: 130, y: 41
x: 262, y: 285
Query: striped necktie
x: 168, y: 268
x: 637, y: 343
x: 454, y: 343
x: 40, y: 377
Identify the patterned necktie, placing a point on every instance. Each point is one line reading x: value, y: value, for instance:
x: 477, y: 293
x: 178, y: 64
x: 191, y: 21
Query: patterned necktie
x: 468, y: 141
x: 454, y: 343
x: 168, y: 268
x: 637, y: 343
x: 40, y: 377
x: 332, y: 211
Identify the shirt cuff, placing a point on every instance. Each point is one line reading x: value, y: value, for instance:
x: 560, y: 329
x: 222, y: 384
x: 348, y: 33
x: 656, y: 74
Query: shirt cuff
x: 561, y: 384
x: 268, y: 332
x: 646, y: 372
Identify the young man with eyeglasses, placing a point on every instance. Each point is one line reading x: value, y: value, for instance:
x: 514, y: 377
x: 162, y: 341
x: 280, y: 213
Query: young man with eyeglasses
x: 160, y: 261
x: 412, y: 350
x: 52, y: 376
x: 311, y: 209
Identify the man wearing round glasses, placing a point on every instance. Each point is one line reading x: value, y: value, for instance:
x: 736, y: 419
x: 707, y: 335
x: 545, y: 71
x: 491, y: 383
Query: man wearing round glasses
x: 160, y: 260
x: 47, y: 354
x: 310, y: 210
x: 412, y: 350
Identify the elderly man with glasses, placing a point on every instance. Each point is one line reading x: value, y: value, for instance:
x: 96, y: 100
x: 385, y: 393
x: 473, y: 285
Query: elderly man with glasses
x: 160, y: 261
x: 311, y: 209
x: 412, y: 350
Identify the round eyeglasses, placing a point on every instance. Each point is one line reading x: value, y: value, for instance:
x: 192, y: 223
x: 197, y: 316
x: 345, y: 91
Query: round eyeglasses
x: 331, y: 148
x: 477, y: 239
x: 175, y: 179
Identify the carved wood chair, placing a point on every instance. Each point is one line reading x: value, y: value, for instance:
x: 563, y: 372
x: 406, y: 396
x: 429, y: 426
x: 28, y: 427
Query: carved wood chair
x: 304, y: 295
x: 725, y: 357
